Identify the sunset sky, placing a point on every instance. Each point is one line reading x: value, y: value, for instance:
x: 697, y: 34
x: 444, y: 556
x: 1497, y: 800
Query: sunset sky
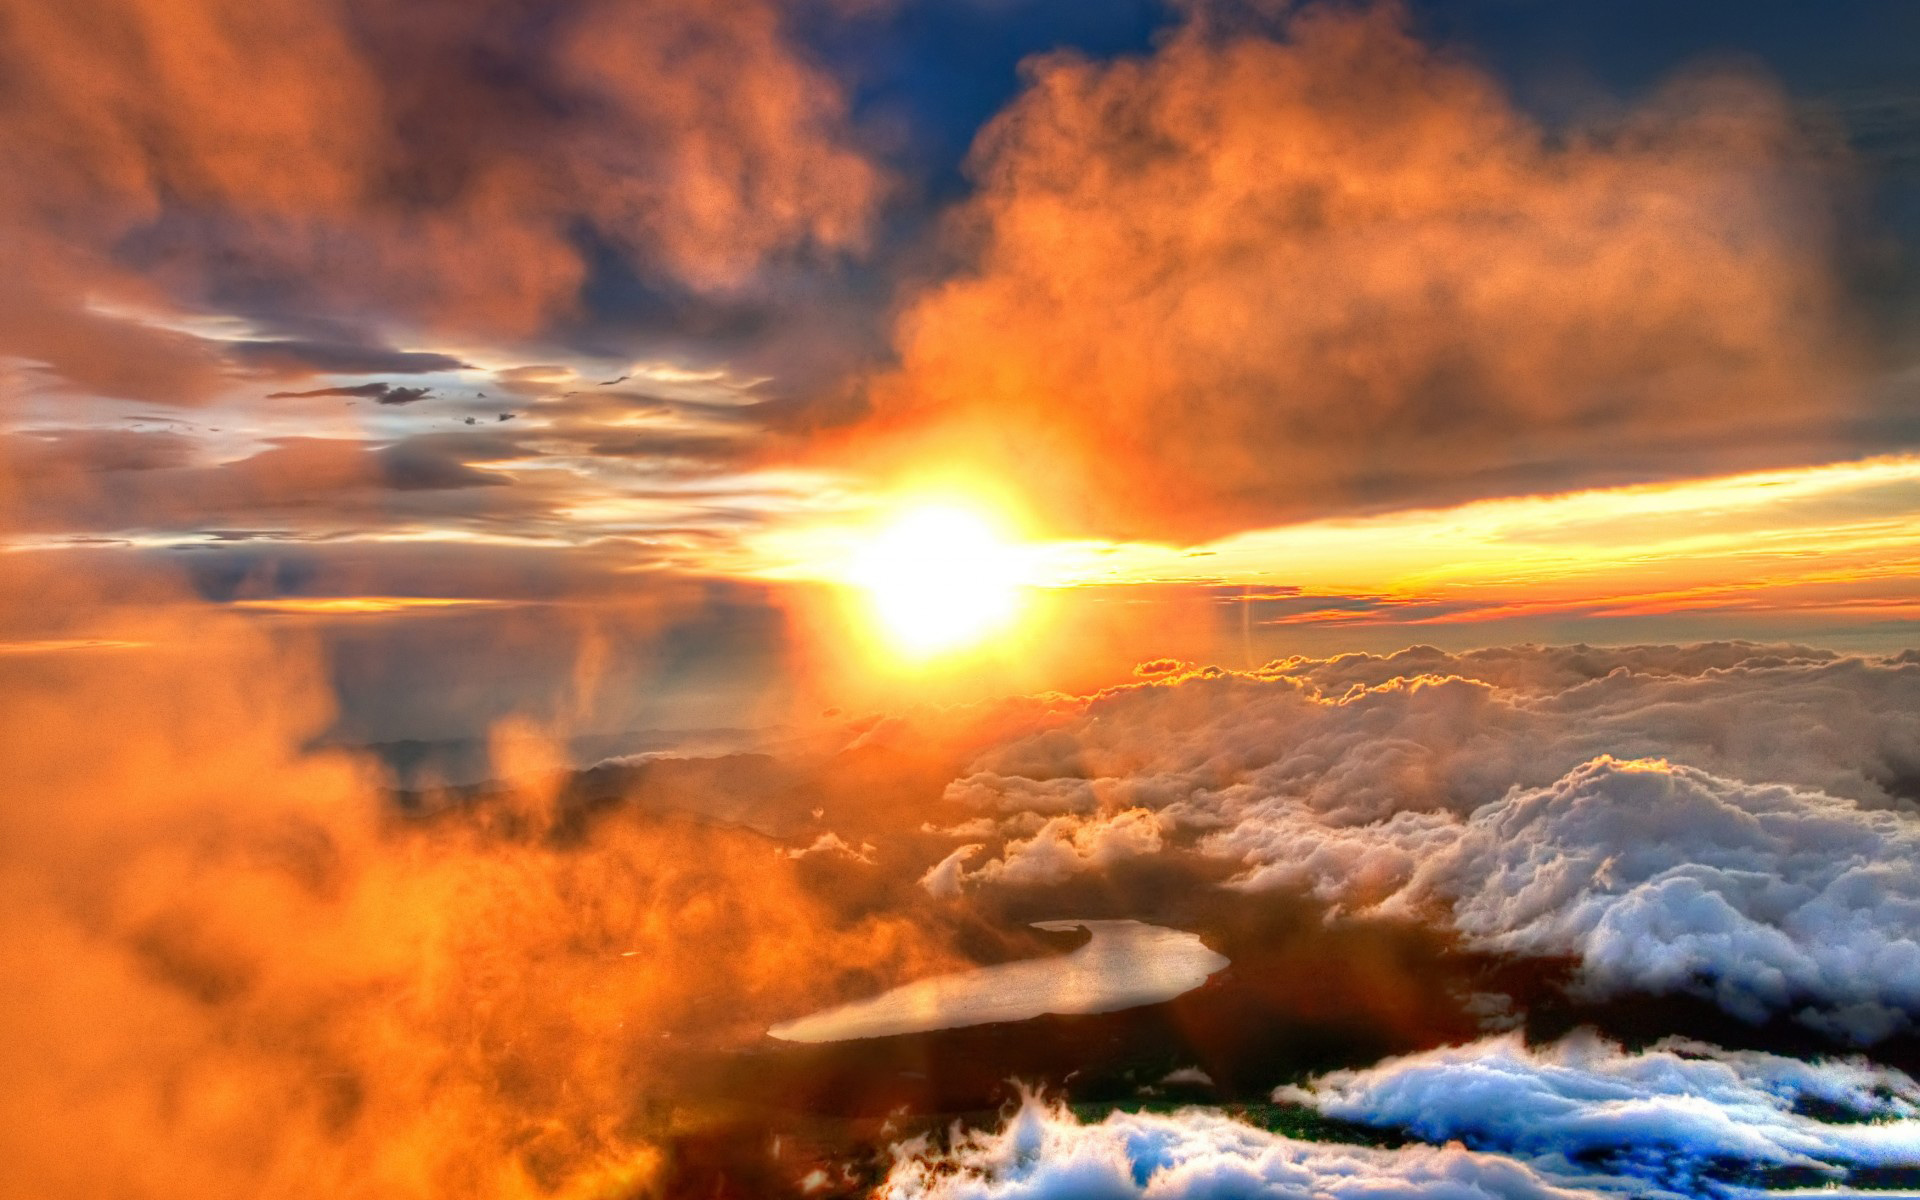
x: 543, y: 542
x: 1460, y: 323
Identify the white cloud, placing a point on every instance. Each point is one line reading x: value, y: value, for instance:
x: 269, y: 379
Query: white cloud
x: 1043, y: 1153
x: 943, y: 878
x: 1774, y: 866
x: 1677, y: 1115
x: 1580, y: 1118
x: 1066, y: 846
x: 1360, y: 737
x: 1762, y: 897
x: 1765, y: 897
x: 832, y: 843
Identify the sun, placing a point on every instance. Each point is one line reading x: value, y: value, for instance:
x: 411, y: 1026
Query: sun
x: 939, y: 578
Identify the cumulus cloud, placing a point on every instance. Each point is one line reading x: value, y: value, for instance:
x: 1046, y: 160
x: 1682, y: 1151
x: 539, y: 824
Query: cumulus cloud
x: 1580, y: 1117
x: 1061, y: 848
x: 1044, y: 1153
x: 1361, y: 737
x: 1765, y: 897
x: 832, y: 843
x: 1263, y: 273
x: 1756, y: 848
x: 944, y: 879
x: 1678, y: 1116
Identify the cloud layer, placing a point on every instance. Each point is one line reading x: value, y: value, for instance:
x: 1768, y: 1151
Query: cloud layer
x: 454, y: 167
x: 236, y: 967
x: 1753, y: 841
x: 1044, y: 1153
x: 1676, y: 1116
x: 1577, y: 1118
x: 1267, y: 272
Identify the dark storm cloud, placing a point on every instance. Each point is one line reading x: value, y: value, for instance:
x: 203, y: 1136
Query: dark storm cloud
x: 382, y: 393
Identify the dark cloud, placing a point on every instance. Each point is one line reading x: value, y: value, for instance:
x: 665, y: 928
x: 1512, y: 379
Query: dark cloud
x: 340, y: 358
x: 383, y: 393
x: 434, y: 462
x: 75, y: 482
x: 688, y: 143
x: 668, y: 444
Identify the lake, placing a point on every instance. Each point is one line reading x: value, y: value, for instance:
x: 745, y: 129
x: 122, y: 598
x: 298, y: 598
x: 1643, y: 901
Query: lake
x: 1125, y: 964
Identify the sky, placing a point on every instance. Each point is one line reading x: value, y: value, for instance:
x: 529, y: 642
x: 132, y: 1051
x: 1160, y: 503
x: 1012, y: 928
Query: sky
x: 1269, y: 329
x: 544, y: 541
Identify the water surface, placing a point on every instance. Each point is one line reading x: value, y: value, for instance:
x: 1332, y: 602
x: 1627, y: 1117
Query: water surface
x: 1126, y: 964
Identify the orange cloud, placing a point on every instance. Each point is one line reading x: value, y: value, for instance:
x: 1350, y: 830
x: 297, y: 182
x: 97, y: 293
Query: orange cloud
x: 434, y: 163
x: 239, y: 968
x: 1249, y: 279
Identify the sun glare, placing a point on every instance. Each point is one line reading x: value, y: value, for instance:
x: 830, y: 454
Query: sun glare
x: 939, y: 578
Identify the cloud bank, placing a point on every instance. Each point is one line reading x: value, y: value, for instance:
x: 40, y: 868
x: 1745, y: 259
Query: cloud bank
x: 1732, y: 821
x: 1679, y: 1115
x: 1659, y: 879
x: 1580, y: 1117
x: 1044, y: 1153
x: 456, y: 167
x: 1280, y: 268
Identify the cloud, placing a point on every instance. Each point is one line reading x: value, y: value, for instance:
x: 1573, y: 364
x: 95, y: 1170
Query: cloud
x: 234, y: 962
x: 1727, y: 820
x: 457, y: 168
x: 1061, y: 848
x: 1253, y: 277
x: 1579, y: 1117
x: 383, y: 393
x: 1679, y: 1116
x: 1360, y: 737
x: 74, y: 481
x: 1764, y: 897
x: 1045, y: 1153
x: 943, y: 879
x: 303, y: 355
